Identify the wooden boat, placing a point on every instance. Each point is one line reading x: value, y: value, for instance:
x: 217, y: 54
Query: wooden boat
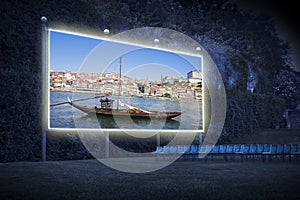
x: 106, y: 109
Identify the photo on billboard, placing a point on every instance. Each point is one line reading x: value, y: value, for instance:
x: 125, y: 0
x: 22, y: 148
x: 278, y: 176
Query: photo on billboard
x: 101, y: 83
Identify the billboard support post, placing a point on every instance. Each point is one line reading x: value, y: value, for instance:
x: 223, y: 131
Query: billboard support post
x: 44, y: 87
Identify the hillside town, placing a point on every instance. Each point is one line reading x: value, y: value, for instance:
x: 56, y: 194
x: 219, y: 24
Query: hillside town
x: 109, y: 83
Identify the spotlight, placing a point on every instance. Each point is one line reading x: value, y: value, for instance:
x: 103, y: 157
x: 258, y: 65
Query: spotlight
x: 43, y: 19
x: 198, y: 49
x: 106, y: 31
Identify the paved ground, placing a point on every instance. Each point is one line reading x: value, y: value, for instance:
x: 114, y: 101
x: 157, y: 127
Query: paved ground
x: 89, y: 179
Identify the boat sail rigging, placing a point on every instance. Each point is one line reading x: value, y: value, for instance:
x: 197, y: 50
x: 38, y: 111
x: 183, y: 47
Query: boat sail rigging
x: 119, y: 102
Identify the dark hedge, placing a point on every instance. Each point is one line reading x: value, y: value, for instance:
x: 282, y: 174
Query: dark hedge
x: 236, y: 39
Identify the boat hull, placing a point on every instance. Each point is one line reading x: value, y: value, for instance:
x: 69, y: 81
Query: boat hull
x: 125, y: 113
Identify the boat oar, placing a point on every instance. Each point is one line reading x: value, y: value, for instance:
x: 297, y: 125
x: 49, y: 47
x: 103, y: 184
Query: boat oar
x: 57, y: 104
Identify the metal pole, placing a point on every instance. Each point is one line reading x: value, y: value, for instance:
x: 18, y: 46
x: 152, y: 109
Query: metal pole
x: 44, y: 87
x: 157, y: 139
x: 106, y: 145
x: 200, y: 138
x: 198, y: 49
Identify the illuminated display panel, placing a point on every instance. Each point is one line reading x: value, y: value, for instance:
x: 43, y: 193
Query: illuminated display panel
x: 100, y: 83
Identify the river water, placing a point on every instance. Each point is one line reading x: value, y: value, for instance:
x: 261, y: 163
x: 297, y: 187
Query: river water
x: 66, y: 116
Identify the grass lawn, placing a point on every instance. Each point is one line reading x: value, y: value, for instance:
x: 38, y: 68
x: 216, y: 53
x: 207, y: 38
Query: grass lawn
x: 89, y: 179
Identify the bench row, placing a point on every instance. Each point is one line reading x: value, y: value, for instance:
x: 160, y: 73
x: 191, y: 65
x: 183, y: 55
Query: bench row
x: 238, y: 149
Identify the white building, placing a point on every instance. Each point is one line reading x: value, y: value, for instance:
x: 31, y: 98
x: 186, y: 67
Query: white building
x: 194, y: 76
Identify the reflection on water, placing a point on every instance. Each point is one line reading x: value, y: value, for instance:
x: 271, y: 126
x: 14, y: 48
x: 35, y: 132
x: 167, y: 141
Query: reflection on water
x: 65, y: 116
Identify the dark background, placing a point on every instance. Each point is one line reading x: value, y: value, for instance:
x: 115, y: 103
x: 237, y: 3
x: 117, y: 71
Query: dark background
x: 285, y: 14
x: 236, y: 35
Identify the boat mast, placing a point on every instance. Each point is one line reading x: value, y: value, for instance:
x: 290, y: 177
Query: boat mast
x: 120, y: 76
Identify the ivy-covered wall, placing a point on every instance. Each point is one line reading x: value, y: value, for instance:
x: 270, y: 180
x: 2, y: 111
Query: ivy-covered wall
x: 245, y: 47
x: 247, y: 112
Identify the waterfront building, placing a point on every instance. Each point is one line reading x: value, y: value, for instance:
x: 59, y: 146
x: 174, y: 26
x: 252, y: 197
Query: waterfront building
x: 194, y: 76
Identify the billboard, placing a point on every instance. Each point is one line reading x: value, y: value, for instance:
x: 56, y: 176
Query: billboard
x: 114, y: 84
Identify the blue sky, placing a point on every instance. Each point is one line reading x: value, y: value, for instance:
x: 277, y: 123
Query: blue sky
x: 69, y: 51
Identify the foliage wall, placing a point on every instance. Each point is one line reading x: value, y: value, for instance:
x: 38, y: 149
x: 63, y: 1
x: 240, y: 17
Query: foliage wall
x: 254, y: 62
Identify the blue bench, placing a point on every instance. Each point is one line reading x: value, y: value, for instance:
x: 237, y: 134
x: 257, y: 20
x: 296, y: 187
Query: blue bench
x: 214, y: 151
x: 229, y: 151
x: 244, y: 150
x: 269, y: 151
x: 295, y: 151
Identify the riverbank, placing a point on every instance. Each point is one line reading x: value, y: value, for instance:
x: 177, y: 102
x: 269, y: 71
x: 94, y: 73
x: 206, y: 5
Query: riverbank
x: 94, y: 91
x: 86, y: 91
x: 89, y: 179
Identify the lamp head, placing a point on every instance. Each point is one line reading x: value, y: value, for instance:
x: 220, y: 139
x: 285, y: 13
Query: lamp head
x: 106, y: 31
x: 43, y: 19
